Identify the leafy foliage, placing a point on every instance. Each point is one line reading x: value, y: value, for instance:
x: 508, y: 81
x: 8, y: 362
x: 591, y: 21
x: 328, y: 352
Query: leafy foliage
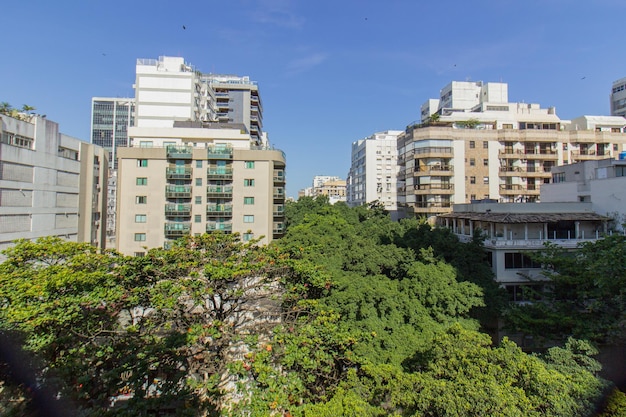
x: 585, y: 295
x: 349, y: 314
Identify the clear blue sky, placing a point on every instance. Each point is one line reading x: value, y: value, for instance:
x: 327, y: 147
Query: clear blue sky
x: 330, y: 72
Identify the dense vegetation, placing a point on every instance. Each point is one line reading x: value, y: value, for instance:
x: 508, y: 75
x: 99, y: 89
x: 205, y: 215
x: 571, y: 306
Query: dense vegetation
x: 349, y: 314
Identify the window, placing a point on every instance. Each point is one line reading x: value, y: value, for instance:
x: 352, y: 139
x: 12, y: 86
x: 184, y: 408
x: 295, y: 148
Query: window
x: 248, y: 236
x: 141, y: 199
x: 472, y: 197
x: 472, y: 162
x: 249, y: 164
x: 248, y: 200
x: 199, y: 181
x: 142, y: 181
x: 140, y: 218
x: 248, y: 182
x: 248, y: 218
x: 139, y: 254
x: 198, y: 199
x: 198, y: 164
x: 472, y: 180
x: 472, y: 144
x: 485, y: 144
x: 197, y: 218
x: 485, y: 180
x: 140, y: 237
x: 142, y: 163
x: 145, y: 144
x: 513, y: 260
x: 486, y: 162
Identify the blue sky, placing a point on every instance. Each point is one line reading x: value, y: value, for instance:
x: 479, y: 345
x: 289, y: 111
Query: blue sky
x: 330, y: 72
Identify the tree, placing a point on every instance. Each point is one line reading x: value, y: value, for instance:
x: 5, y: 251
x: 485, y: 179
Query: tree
x: 584, y: 295
x: 165, y: 327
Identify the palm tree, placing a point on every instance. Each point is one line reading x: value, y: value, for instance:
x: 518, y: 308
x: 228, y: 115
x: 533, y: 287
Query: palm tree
x: 5, y: 108
x: 27, y: 109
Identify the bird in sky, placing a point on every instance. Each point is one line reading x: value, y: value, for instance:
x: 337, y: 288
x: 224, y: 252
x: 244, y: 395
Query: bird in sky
x: 184, y: 27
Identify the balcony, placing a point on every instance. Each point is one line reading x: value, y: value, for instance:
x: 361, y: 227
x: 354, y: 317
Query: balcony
x: 219, y: 210
x: 219, y: 191
x: 279, y: 210
x: 279, y: 192
x: 426, y: 207
x: 539, y: 154
x: 435, y: 189
x: 278, y: 228
x: 525, y: 172
x: 516, y: 189
x: 179, y: 152
x: 433, y: 152
x: 589, y: 154
x: 219, y: 226
x: 178, y: 173
x: 220, y: 173
x: 510, y: 153
x: 177, y: 229
x: 279, y: 175
x: 178, y: 209
x: 434, y: 170
x: 219, y: 152
x: 178, y: 191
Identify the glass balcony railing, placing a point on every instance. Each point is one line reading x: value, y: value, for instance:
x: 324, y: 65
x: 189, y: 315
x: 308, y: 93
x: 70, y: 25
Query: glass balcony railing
x: 219, y: 152
x: 178, y: 173
x: 179, y: 152
x: 219, y: 173
x: 219, y: 191
x: 177, y: 229
x: 178, y: 191
x: 178, y: 209
x: 219, y: 209
x: 219, y: 226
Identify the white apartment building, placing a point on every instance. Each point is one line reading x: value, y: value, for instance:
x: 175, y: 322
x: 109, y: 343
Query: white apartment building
x: 319, y: 180
x: 373, y: 170
x: 493, y: 150
x: 51, y: 184
x: 194, y: 165
x: 618, y: 98
x: 601, y: 183
x: 170, y: 90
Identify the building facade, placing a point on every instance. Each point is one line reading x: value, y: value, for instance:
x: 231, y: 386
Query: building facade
x: 167, y: 192
x: 511, y: 230
x: 111, y: 119
x: 51, y: 184
x: 618, y: 98
x: 601, y: 183
x: 494, y: 150
x: 373, y: 170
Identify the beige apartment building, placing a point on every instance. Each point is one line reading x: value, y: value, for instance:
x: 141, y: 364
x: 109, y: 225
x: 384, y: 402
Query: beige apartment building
x: 167, y: 192
x: 493, y: 150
